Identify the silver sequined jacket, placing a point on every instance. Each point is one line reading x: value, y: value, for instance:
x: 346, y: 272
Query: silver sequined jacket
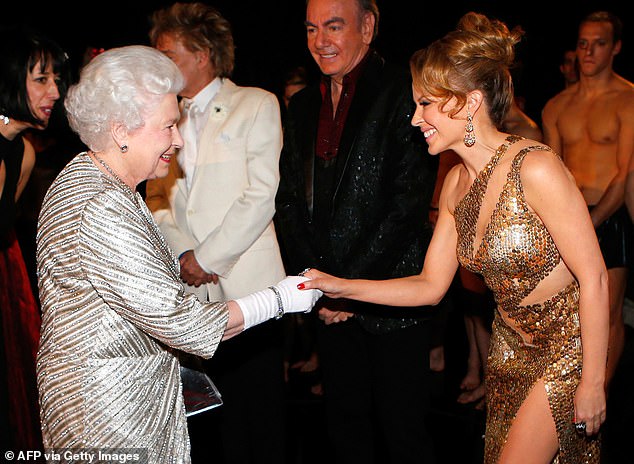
x: 114, y: 312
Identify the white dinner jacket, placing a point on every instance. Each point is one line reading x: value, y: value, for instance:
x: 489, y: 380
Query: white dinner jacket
x: 227, y: 216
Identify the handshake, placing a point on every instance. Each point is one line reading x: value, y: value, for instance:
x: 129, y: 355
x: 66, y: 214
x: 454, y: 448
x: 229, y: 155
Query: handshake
x: 279, y: 299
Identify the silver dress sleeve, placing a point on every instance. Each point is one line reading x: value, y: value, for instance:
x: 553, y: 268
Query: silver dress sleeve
x: 124, y: 256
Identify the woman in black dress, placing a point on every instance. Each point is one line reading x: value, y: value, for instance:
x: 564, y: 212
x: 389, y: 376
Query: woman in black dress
x: 31, y: 67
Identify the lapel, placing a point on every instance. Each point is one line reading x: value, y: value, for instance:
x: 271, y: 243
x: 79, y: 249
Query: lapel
x: 308, y: 142
x: 367, y: 87
x: 220, y: 110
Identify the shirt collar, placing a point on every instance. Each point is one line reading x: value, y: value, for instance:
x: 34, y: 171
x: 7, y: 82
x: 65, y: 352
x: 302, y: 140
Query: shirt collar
x: 207, y: 94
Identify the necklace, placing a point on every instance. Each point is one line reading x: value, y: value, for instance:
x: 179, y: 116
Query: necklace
x: 122, y: 184
x: 154, y: 235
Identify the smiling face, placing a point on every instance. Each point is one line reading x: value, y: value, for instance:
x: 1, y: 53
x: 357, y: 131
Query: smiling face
x: 153, y: 145
x: 441, y: 131
x: 42, y: 91
x: 338, y: 35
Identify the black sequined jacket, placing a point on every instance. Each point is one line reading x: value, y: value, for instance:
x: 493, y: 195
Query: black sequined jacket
x: 383, y: 186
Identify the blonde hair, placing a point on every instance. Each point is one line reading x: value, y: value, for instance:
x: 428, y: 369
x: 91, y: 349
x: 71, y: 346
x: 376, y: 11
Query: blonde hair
x: 201, y: 28
x: 475, y: 56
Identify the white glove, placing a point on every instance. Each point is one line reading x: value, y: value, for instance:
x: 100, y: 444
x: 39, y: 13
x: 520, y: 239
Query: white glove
x: 277, y: 300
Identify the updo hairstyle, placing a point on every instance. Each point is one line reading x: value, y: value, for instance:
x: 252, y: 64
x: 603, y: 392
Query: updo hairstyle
x: 476, y: 56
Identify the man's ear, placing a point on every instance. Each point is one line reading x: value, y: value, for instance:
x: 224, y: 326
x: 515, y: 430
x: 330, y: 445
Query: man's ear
x: 202, y: 58
x: 367, y: 27
x: 617, y: 48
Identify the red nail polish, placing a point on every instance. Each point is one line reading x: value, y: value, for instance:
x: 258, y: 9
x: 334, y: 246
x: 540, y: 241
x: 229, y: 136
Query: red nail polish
x: 300, y: 286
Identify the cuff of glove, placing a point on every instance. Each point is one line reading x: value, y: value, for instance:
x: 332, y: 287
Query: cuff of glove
x: 260, y: 306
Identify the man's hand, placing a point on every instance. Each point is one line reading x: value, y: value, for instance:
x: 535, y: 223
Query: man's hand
x: 332, y: 317
x: 332, y: 312
x: 192, y: 273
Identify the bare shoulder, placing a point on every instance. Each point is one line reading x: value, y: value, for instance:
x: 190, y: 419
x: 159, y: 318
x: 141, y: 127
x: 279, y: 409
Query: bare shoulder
x: 455, y: 176
x: 557, y: 103
x: 29, y: 153
x: 624, y: 93
x: 620, y: 83
x: 542, y: 167
x: 455, y: 186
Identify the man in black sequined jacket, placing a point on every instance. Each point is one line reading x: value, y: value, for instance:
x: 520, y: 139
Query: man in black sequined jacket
x: 356, y: 183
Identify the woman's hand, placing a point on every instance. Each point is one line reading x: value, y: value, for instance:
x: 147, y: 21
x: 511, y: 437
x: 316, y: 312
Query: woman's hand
x: 332, y: 286
x: 590, y: 406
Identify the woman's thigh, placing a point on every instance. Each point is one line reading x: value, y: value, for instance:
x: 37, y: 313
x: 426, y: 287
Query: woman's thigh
x: 532, y: 437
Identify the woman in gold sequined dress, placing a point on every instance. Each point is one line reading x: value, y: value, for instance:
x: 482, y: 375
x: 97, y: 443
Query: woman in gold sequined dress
x: 512, y: 212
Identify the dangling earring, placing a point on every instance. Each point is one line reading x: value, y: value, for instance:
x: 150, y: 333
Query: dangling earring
x: 4, y: 119
x: 123, y: 148
x: 469, y: 137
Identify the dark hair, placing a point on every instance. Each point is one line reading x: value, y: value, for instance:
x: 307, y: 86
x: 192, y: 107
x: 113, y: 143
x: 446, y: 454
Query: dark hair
x: 368, y: 6
x: 296, y: 76
x: 201, y: 28
x: 606, y: 17
x: 371, y: 7
x: 20, y: 51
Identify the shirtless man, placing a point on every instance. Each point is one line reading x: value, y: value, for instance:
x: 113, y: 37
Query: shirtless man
x: 591, y: 124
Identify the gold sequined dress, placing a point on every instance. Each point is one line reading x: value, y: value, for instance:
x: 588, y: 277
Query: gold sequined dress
x: 114, y: 311
x: 515, y: 254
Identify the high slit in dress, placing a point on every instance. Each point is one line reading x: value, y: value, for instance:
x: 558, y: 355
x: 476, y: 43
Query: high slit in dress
x: 515, y: 255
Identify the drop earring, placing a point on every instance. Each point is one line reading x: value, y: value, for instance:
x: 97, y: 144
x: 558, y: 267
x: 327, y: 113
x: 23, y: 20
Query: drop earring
x: 469, y: 137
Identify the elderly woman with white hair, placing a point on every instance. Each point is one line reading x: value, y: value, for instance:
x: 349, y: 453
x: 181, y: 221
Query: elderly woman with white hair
x: 115, y: 313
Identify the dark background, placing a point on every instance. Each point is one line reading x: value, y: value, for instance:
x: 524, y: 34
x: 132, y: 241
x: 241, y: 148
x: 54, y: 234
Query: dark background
x: 270, y: 35
x: 270, y: 39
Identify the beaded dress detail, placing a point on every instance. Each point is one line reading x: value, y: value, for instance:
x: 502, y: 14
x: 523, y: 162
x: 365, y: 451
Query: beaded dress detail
x: 516, y: 253
x: 115, y: 317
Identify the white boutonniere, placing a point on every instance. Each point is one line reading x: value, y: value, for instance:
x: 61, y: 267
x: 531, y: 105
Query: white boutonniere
x: 218, y: 112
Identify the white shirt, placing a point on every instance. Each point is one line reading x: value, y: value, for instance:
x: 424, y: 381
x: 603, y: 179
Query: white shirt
x: 195, y: 115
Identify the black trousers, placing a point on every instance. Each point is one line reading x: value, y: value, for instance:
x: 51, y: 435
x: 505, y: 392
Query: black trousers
x: 376, y: 393
x: 249, y: 428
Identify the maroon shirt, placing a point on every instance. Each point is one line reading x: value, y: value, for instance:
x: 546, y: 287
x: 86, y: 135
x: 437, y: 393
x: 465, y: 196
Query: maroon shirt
x: 329, y: 129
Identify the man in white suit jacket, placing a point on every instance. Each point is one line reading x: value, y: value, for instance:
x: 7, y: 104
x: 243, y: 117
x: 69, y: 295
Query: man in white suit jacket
x: 224, y: 219
x: 216, y: 210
